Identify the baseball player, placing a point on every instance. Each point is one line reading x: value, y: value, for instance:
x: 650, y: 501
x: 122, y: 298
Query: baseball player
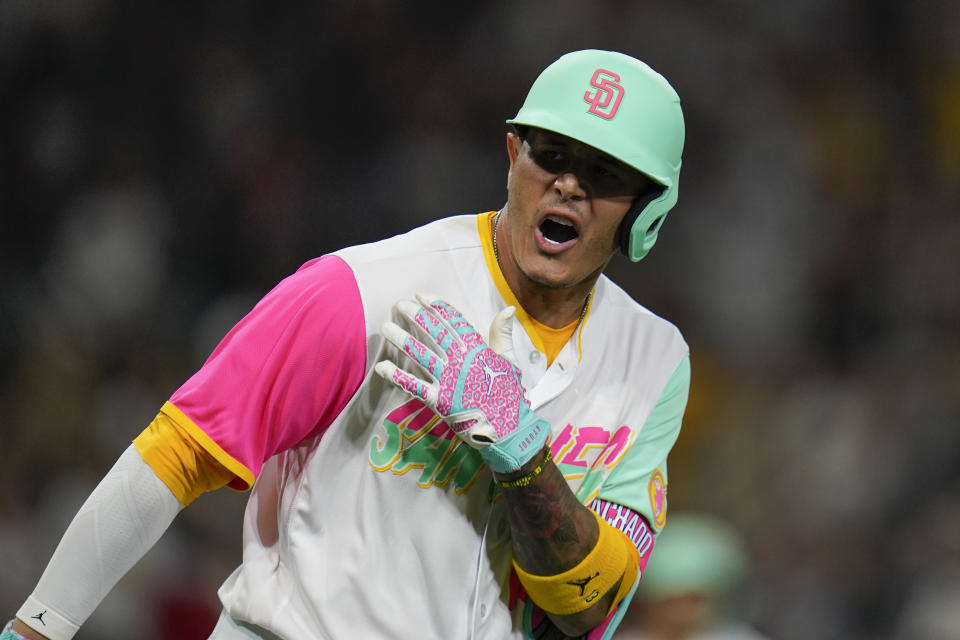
x: 458, y: 432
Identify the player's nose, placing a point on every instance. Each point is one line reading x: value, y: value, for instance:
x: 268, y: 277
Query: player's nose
x: 569, y: 186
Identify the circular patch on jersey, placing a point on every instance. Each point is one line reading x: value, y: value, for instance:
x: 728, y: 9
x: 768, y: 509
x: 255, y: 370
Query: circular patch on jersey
x: 657, y: 490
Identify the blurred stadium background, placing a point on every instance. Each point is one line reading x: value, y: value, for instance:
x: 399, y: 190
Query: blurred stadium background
x: 162, y: 165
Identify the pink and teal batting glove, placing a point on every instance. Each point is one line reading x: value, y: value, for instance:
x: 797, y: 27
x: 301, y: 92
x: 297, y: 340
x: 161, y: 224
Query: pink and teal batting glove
x: 475, y: 389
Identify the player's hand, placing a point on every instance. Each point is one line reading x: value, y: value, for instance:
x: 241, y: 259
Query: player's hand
x: 473, y: 387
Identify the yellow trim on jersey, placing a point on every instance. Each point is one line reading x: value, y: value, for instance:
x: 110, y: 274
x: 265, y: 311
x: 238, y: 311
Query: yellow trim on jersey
x: 540, y: 334
x: 581, y: 587
x: 244, y: 477
x: 179, y: 461
x: 485, y: 228
x: 583, y: 323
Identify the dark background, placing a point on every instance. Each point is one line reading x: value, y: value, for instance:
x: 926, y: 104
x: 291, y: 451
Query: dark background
x: 163, y: 165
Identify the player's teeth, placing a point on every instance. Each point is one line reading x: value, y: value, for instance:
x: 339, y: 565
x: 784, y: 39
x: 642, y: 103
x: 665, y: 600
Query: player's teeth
x: 557, y: 230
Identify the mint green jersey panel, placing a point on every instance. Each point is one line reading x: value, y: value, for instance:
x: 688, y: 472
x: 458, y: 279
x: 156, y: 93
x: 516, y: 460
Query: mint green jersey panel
x: 640, y: 481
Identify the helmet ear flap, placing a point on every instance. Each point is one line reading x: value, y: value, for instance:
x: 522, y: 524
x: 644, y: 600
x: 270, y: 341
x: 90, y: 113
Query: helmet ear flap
x: 640, y: 203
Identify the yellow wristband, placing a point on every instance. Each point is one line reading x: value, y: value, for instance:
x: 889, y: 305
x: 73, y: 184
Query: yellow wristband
x: 579, y: 588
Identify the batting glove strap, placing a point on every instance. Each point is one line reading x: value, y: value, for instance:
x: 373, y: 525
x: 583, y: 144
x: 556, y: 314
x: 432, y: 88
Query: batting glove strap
x: 511, y: 453
x: 527, y: 480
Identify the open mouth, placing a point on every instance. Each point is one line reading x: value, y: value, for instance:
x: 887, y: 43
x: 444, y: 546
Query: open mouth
x: 558, y: 230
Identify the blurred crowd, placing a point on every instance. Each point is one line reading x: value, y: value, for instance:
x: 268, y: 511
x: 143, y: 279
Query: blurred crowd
x: 162, y: 165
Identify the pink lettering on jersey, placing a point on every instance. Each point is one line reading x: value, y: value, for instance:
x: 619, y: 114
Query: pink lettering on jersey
x: 591, y: 447
x: 404, y: 411
x: 443, y: 430
x: 587, y: 438
x: 559, y: 444
x: 630, y: 522
x: 618, y: 445
x: 415, y: 438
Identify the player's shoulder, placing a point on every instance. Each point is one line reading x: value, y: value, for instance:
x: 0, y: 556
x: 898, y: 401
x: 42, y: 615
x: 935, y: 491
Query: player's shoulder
x: 443, y: 235
x: 615, y: 309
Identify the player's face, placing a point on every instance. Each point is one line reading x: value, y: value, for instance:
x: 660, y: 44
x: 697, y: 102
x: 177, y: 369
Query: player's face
x: 565, y: 203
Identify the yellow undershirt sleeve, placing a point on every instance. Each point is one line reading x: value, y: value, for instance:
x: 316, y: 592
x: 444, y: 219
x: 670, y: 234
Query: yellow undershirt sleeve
x: 179, y: 461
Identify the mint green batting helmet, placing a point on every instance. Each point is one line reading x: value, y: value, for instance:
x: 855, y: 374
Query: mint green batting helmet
x: 621, y: 106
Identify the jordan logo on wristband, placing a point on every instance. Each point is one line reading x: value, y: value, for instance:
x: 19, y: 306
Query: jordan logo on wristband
x: 582, y: 583
x: 39, y: 617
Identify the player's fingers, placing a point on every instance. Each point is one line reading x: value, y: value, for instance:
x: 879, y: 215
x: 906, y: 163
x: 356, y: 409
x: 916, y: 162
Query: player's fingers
x: 427, y: 317
x: 501, y: 333
x: 452, y: 317
x: 429, y: 299
x: 410, y: 383
x: 402, y: 340
x: 423, y: 317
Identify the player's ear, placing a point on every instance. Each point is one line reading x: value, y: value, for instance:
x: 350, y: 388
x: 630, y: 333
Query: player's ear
x: 514, y: 144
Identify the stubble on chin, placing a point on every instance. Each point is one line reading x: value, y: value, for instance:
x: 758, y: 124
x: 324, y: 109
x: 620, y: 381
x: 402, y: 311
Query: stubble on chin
x: 561, y: 281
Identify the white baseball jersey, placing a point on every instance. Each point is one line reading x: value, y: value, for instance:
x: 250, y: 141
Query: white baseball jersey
x: 368, y: 517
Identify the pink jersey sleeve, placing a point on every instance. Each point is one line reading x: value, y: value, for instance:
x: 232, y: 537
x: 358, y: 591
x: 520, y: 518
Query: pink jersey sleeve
x: 282, y: 374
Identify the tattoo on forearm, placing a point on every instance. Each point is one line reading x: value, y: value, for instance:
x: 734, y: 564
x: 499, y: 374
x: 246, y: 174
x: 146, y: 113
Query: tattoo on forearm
x: 539, y: 513
x: 551, y: 530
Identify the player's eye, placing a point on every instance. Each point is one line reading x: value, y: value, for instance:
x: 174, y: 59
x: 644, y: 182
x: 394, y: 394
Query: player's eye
x: 550, y: 159
x: 606, y: 178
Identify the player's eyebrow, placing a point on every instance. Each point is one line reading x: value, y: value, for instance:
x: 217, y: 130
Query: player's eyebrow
x: 575, y: 147
x: 604, y: 159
